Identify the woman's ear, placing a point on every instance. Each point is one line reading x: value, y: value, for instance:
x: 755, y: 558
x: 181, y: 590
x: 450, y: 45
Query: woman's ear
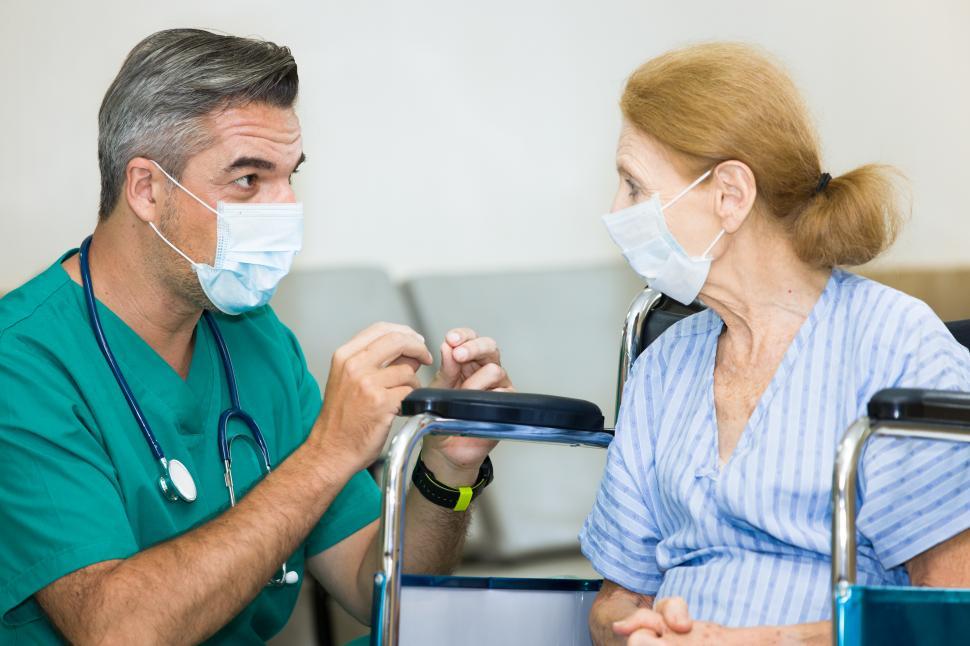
x: 734, y: 193
x: 142, y: 188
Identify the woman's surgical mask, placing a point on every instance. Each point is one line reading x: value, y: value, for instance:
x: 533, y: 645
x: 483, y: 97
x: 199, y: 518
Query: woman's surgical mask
x: 255, y: 246
x: 651, y: 249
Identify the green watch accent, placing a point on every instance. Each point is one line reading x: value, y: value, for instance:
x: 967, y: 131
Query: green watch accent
x: 444, y: 496
x: 465, y: 495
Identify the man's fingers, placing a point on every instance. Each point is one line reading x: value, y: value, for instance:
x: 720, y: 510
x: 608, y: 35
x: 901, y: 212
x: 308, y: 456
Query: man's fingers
x: 369, y: 335
x: 398, y: 394
x: 675, y: 613
x: 394, y: 345
x: 394, y: 376
x: 482, y: 349
x: 414, y: 364
x: 642, y: 618
x: 459, y: 335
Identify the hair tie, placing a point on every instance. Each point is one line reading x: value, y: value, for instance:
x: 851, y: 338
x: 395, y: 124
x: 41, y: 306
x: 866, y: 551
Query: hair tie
x: 823, y: 181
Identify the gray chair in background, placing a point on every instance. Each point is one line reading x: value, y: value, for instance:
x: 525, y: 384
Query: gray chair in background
x: 326, y: 307
x: 558, y: 332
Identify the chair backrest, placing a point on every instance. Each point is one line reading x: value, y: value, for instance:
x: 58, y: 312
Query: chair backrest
x: 651, y: 313
x: 649, y: 316
x: 326, y: 307
x: 960, y: 331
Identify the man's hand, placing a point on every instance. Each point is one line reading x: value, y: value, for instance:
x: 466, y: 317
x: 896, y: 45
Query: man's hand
x: 369, y: 376
x: 468, y: 362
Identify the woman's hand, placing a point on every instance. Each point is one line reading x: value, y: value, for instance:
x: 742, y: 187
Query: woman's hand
x: 668, y: 618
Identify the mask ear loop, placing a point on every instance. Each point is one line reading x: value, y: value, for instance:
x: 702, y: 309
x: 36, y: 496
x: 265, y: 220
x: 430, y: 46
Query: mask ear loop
x: 711, y: 246
x: 676, y: 197
x: 166, y: 241
x: 193, y: 196
x: 685, y: 192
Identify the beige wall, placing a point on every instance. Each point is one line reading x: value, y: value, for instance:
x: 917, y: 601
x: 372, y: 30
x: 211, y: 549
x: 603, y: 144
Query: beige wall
x: 446, y: 135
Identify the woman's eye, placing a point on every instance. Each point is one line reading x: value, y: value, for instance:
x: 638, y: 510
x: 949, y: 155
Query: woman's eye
x: 246, y: 181
x: 634, y: 191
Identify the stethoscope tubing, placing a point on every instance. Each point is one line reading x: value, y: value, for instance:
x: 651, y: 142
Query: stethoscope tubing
x: 109, y: 356
x: 235, y: 411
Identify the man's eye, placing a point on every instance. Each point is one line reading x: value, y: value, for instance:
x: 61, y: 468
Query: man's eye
x: 292, y: 174
x: 246, y: 181
x: 634, y: 191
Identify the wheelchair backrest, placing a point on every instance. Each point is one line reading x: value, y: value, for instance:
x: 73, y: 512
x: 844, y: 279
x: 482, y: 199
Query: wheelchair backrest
x: 649, y: 316
x: 651, y: 313
x: 960, y: 331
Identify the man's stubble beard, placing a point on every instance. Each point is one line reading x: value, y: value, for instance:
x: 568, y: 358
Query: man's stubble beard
x: 171, y: 269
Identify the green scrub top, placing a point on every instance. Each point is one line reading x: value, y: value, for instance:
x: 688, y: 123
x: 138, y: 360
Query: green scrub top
x: 79, y: 483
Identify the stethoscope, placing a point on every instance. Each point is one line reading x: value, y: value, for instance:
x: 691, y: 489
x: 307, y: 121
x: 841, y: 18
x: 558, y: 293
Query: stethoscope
x: 175, y: 481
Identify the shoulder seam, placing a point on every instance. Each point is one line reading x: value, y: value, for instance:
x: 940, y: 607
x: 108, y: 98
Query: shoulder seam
x: 27, y: 315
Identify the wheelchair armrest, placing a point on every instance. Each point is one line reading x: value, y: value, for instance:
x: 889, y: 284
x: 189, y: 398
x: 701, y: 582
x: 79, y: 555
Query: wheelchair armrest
x: 919, y: 405
x: 506, y: 408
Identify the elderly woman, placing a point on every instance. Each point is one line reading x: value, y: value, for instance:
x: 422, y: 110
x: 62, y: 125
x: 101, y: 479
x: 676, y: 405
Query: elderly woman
x: 712, y: 522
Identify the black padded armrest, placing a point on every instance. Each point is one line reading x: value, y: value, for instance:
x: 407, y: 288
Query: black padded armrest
x: 920, y: 405
x: 505, y: 408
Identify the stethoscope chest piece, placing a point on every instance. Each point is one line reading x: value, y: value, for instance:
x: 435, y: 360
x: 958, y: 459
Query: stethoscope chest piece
x: 177, y: 483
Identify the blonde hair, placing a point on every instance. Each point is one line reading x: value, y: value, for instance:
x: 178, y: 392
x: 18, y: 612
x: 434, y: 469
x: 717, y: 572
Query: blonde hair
x: 725, y: 101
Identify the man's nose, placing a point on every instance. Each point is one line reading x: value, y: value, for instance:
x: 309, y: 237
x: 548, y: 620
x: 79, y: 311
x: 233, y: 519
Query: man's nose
x: 283, y: 194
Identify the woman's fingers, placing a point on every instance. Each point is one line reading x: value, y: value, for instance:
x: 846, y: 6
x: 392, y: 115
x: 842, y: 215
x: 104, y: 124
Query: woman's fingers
x: 450, y: 369
x: 675, y: 614
x: 491, y: 376
x: 459, y: 335
x: 644, y: 637
x: 482, y: 349
x: 644, y: 618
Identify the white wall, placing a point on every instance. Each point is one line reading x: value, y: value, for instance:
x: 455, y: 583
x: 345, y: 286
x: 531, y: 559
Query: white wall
x: 451, y: 135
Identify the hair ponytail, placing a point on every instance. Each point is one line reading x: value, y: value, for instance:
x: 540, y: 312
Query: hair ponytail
x: 852, y: 220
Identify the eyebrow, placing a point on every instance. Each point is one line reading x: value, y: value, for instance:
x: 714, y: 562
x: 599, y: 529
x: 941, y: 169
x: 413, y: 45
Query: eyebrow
x: 258, y: 162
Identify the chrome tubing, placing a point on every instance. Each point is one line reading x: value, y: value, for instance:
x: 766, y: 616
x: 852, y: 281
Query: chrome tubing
x: 395, y: 486
x: 632, y: 336
x: 844, y: 481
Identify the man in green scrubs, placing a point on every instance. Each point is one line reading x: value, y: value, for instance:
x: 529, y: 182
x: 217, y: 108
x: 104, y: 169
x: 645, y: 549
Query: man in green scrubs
x: 90, y: 548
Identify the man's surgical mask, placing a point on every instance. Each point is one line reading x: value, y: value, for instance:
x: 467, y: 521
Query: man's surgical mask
x: 255, y: 246
x: 651, y: 249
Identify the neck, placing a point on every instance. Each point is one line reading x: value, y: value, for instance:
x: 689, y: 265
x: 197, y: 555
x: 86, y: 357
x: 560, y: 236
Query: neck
x: 762, y: 290
x: 130, y: 288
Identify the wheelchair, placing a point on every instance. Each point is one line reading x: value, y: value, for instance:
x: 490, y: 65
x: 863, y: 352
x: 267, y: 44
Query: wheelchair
x: 487, y: 610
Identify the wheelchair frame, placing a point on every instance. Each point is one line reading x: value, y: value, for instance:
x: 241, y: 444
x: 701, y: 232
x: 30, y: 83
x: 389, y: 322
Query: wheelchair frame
x: 912, y: 413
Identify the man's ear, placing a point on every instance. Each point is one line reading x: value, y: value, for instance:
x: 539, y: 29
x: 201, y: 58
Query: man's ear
x: 735, y: 193
x: 144, y: 186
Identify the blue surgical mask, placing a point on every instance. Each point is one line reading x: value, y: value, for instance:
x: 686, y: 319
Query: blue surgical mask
x: 255, y: 246
x: 648, y: 245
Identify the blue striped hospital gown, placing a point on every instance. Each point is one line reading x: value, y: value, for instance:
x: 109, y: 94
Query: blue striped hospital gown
x: 748, y: 543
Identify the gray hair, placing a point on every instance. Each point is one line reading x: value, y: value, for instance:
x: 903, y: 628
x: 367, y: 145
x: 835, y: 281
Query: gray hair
x: 168, y: 84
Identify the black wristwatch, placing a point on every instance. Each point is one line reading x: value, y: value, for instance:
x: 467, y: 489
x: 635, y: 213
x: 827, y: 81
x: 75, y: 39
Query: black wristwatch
x: 445, y: 496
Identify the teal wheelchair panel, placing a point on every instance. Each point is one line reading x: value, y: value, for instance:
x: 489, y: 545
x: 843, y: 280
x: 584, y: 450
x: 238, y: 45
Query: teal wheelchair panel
x: 886, y: 616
